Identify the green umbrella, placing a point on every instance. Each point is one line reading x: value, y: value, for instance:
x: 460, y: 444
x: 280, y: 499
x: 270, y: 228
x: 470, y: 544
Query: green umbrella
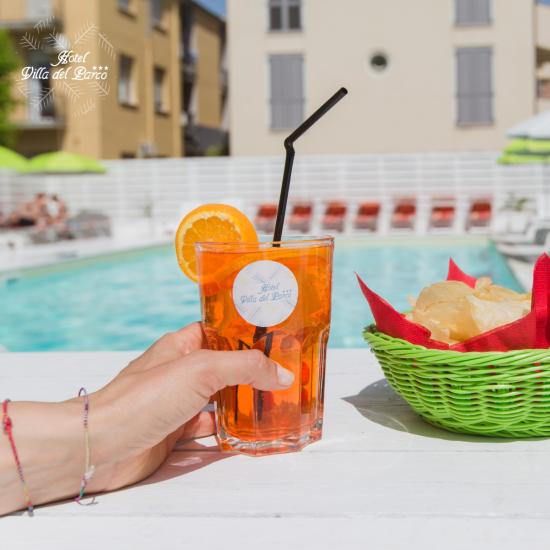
x: 64, y: 162
x: 526, y: 151
x: 10, y: 160
x: 531, y: 141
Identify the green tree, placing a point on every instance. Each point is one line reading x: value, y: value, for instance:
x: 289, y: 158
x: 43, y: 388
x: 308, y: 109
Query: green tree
x: 9, y: 62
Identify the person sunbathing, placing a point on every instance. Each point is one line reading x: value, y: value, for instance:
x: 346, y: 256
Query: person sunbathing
x: 57, y: 210
x: 30, y: 213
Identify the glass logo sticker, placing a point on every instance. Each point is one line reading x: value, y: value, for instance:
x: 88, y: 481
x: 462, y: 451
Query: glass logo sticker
x: 265, y: 293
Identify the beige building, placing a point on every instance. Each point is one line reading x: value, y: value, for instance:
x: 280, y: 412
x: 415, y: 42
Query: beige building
x: 117, y: 95
x: 423, y: 75
x: 159, y: 84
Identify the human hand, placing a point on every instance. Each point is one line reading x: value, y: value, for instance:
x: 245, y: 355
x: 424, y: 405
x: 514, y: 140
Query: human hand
x: 158, y: 399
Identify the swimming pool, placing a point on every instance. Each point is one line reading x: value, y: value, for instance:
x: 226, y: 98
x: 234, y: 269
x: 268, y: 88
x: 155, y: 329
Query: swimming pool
x: 125, y: 302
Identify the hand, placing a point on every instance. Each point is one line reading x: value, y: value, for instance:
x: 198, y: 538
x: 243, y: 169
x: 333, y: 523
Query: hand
x: 157, y: 401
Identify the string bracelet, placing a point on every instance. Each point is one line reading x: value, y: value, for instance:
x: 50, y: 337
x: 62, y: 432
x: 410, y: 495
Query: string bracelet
x: 7, y: 426
x: 89, y: 468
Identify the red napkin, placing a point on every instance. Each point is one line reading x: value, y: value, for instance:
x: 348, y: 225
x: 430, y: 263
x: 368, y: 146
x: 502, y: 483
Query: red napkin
x: 529, y: 332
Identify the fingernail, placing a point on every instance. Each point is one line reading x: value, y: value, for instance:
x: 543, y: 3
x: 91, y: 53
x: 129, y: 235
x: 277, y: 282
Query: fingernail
x: 284, y: 376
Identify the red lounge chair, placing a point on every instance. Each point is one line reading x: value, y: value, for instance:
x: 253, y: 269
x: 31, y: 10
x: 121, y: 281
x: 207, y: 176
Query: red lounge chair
x: 265, y: 218
x: 443, y: 213
x: 403, y: 215
x: 300, y: 219
x: 335, y: 216
x: 367, y: 216
x: 480, y: 213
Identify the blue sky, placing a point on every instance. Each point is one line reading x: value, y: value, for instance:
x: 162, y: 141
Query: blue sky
x: 217, y: 6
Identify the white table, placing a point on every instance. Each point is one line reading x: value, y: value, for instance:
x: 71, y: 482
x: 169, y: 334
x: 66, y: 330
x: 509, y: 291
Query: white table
x: 380, y: 479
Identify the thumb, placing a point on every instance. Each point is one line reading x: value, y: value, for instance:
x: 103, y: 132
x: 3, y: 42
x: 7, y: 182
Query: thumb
x: 218, y: 369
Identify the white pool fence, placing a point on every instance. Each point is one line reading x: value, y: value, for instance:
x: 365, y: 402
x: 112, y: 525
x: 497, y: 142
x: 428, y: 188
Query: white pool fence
x: 160, y: 190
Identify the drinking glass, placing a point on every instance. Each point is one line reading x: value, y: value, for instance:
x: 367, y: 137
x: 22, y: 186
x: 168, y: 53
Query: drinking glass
x: 274, y: 297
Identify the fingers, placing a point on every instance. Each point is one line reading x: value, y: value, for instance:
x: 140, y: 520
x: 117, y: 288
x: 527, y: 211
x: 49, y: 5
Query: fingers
x: 215, y: 370
x: 170, y: 347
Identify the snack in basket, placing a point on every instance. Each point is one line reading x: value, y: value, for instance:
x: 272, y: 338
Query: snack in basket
x: 530, y: 328
x: 454, y: 312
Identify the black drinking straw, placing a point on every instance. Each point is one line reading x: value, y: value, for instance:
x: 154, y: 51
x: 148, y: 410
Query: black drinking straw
x: 289, y: 160
x: 261, y: 332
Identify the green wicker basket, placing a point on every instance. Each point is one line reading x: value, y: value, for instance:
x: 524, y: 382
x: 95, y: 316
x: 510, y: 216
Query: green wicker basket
x: 502, y: 394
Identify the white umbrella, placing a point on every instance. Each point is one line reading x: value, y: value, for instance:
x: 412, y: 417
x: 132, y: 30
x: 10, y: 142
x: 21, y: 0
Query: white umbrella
x: 536, y: 127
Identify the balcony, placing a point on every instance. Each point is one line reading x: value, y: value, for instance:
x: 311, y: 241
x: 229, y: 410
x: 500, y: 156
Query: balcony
x: 39, y: 15
x: 189, y: 65
x: 30, y: 24
x: 543, y: 26
x: 42, y: 123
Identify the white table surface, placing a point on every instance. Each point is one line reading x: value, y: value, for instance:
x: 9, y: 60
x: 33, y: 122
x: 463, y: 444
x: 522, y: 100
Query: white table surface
x: 381, y: 478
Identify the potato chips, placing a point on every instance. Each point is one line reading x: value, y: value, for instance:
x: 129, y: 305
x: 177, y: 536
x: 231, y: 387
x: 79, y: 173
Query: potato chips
x: 453, y: 311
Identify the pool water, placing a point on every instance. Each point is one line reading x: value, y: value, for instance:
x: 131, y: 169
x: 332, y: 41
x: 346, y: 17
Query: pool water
x: 125, y: 302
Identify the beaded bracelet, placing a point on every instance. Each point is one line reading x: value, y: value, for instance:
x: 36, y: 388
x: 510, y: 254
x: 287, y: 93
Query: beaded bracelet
x: 7, y: 425
x: 89, y: 468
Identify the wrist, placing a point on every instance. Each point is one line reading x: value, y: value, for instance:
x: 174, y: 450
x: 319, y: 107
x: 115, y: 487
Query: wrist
x: 47, y: 440
x: 110, y: 437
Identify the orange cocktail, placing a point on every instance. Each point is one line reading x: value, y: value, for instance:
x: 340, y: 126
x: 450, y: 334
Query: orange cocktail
x: 275, y: 299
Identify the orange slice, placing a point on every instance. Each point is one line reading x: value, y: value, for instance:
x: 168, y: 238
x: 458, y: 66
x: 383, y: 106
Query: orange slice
x: 210, y: 223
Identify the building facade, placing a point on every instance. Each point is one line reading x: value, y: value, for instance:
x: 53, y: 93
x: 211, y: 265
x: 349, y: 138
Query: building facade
x: 204, y: 79
x: 428, y: 75
x: 120, y: 92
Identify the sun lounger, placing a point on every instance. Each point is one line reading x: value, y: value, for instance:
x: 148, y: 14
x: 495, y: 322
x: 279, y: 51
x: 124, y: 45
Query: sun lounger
x: 535, y: 234
x: 443, y: 213
x: 404, y: 214
x: 300, y: 218
x: 335, y: 216
x: 524, y: 251
x: 265, y: 218
x: 480, y: 214
x: 367, y: 216
x: 88, y: 224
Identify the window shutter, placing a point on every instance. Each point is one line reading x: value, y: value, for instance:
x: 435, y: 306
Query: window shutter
x: 480, y: 11
x: 474, y: 86
x: 461, y: 11
x: 472, y: 12
x: 287, y: 101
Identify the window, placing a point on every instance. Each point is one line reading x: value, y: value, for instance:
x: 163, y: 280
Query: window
x: 379, y: 62
x: 38, y: 9
x: 543, y: 88
x: 159, y: 90
x: 124, y: 5
x: 156, y: 13
x: 472, y: 12
x: 285, y: 15
x: 126, y: 94
x: 40, y: 94
x: 287, y: 97
x: 474, y: 86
